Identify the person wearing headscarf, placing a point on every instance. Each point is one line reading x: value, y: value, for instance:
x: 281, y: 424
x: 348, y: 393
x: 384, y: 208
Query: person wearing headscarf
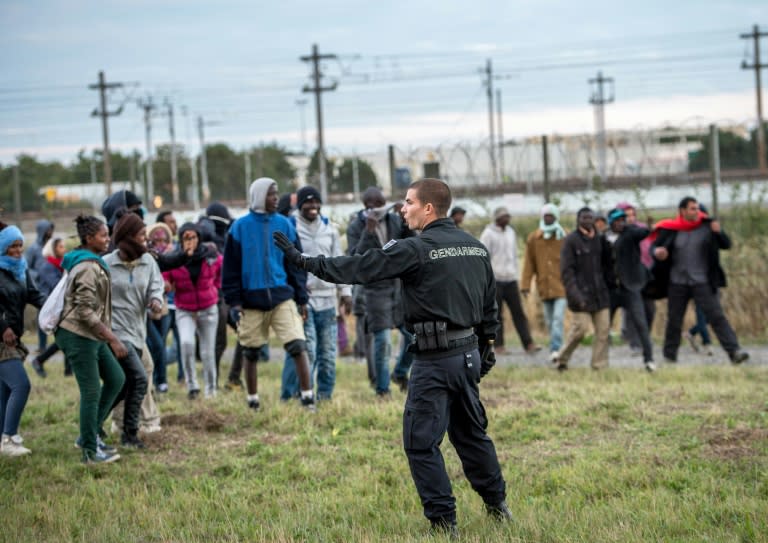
x: 264, y: 291
x: 17, y: 289
x: 196, y: 286
x: 542, y: 261
x: 137, y: 287
x: 160, y: 239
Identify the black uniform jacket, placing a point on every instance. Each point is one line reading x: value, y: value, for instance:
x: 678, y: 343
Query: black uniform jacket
x: 446, y: 276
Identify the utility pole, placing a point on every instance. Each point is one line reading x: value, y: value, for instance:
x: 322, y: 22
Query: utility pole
x: 392, y: 168
x: 17, y: 194
x: 492, y: 137
x: 599, y: 98
x: 94, y: 180
x: 174, y: 165
x: 755, y: 36
x: 132, y: 171
x: 315, y: 59
x: 714, y: 159
x: 192, y: 160
x: 500, y: 122
x: 355, y: 177
x: 102, y: 112
x: 545, y: 153
x: 247, y: 160
x: 301, y: 103
x: 148, y: 107
x: 203, y: 160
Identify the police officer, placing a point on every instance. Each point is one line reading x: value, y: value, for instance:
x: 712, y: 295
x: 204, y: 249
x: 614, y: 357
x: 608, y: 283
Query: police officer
x: 450, y: 294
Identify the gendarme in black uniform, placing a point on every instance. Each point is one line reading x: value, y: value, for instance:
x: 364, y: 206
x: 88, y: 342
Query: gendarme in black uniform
x: 447, y: 276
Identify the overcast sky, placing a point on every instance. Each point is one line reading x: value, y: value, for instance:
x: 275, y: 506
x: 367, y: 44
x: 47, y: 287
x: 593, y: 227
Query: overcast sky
x: 408, y: 73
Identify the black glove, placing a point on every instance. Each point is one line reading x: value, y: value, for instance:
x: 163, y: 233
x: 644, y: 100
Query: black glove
x: 487, y: 354
x: 487, y: 363
x: 234, y: 317
x: 292, y: 254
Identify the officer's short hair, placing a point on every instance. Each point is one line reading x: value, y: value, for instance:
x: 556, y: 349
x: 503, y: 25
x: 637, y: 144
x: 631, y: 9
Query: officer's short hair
x: 435, y: 192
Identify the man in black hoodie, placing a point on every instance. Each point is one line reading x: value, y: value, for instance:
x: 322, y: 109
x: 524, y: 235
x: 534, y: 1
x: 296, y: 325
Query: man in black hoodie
x: 215, y: 228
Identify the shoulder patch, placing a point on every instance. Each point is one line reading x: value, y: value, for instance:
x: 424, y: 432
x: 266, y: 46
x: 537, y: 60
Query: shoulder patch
x: 390, y: 243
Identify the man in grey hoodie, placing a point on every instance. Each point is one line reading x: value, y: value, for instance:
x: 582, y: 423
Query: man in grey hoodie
x: 264, y: 290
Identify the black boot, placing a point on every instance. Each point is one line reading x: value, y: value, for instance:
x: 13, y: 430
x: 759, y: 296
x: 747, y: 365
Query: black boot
x: 500, y: 512
x: 444, y: 527
x: 131, y: 440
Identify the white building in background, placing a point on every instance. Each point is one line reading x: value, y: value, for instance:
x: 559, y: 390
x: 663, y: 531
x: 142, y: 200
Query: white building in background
x: 95, y: 193
x: 648, y: 153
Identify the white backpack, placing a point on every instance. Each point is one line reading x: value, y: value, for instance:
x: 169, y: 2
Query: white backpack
x: 50, y: 314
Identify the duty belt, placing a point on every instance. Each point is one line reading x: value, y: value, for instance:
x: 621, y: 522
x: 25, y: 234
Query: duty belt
x: 435, y: 336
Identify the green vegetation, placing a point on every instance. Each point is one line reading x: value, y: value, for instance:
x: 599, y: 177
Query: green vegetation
x: 226, y: 169
x: 616, y: 456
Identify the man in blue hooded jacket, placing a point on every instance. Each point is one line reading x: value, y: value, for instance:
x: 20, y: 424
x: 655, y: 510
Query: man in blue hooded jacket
x: 263, y: 290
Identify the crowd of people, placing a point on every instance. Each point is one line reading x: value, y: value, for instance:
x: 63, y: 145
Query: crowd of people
x: 281, y: 269
x: 131, y: 285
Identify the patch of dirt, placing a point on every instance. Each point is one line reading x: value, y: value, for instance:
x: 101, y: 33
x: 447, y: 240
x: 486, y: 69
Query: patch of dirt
x: 736, y: 443
x: 205, y: 420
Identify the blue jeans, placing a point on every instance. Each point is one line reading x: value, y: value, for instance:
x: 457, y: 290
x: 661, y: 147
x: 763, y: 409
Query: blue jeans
x: 157, y: 331
x: 14, y: 391
x: 382, y: 346
x: 554, y: 310
x: 42, y: 340
x: 173, y: 353
x: 701, y: 327
x: 321, y: 330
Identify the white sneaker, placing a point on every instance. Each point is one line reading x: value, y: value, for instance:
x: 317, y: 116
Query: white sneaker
x: 650, y: 367
x: 553, y: 357
x: 692, y: 340
x: 150, y: 428
x: 12, y: 446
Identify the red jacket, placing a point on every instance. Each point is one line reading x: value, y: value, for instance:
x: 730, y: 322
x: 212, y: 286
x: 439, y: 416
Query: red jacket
x: 196, y: 297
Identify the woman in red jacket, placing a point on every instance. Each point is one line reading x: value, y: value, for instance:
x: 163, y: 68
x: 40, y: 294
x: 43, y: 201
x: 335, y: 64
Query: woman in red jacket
x: 197, y: 285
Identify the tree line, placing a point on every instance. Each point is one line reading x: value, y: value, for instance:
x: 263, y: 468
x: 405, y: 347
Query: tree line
x: 226, y: 173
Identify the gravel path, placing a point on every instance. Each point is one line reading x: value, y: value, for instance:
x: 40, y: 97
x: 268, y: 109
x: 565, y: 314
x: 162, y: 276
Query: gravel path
x: 621, y: 357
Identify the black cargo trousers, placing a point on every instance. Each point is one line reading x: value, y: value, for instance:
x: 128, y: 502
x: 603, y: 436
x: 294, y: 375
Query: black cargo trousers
x: 443, y: 394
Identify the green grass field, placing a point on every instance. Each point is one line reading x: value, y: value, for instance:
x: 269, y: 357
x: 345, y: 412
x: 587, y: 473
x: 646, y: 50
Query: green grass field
x: 681, y: 455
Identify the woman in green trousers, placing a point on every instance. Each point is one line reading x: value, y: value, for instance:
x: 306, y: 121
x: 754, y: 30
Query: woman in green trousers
x: 85, y: 335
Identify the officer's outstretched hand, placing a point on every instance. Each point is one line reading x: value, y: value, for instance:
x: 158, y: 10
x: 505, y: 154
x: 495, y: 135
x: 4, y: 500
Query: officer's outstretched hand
x: 292, y: 254
x: 488, y: 362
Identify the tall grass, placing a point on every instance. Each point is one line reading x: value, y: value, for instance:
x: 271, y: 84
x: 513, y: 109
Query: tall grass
x: 618, y: 455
